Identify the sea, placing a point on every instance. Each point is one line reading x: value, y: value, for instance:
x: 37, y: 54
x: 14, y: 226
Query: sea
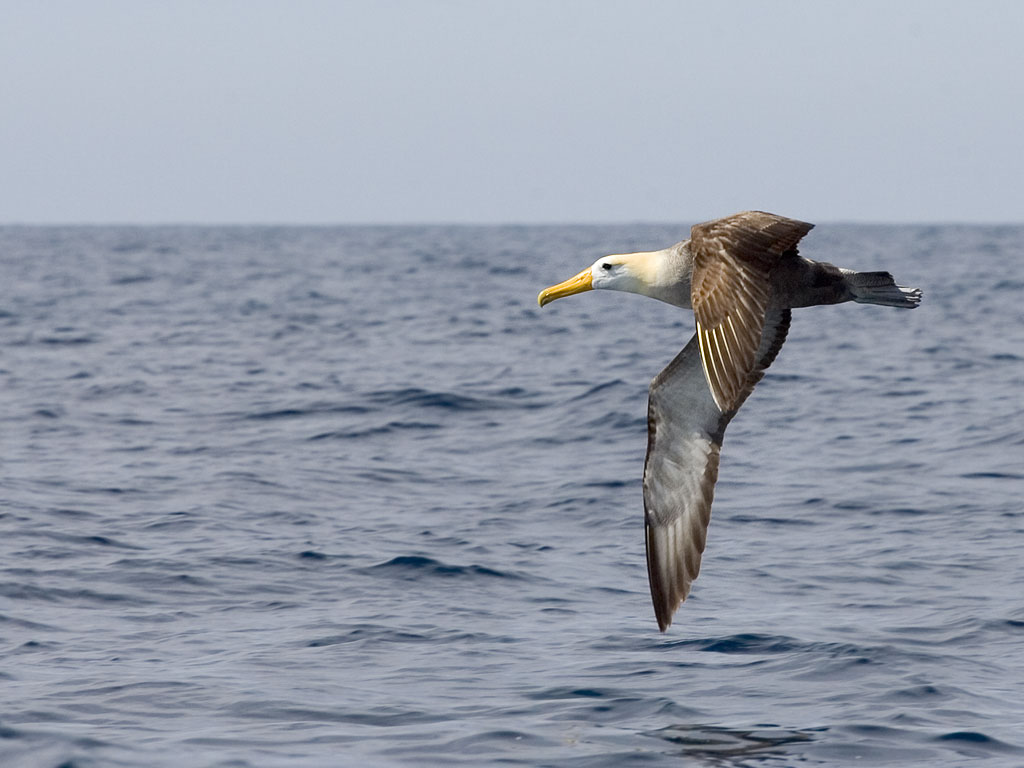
x: 293, y: 497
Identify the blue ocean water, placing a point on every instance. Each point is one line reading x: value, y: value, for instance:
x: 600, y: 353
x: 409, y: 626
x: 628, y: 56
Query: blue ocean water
x: 346, y: 496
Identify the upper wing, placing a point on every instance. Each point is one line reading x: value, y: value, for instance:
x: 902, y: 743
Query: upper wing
x: 684, y: 436
x: 730, y: 292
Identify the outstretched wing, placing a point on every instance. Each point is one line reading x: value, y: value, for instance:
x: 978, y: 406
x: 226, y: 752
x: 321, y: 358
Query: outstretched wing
x: 684, y: 436
x: 730, y: 292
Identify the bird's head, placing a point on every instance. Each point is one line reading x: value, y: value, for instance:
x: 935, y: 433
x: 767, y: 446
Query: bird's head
x: 629, y: 272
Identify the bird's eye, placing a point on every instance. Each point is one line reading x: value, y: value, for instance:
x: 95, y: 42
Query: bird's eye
x: 606, y: 266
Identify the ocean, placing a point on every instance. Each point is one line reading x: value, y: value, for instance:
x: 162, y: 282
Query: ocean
x: 332, y: 496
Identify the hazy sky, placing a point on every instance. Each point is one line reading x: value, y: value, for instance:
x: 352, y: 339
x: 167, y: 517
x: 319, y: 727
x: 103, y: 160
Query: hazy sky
x: 524, y: 111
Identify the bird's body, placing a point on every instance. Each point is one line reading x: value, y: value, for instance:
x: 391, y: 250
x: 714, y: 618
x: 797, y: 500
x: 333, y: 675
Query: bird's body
x: 741, y: 275
x: 794, y: 280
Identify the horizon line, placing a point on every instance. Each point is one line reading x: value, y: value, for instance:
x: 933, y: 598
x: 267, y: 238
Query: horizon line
x: 496, y: 223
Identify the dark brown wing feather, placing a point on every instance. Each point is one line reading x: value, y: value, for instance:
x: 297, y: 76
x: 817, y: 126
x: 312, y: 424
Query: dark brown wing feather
x: 731, y: 290
x: 684, y: 436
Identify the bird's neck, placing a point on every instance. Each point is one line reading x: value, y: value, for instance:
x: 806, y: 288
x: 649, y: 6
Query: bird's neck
x: 663, y: 275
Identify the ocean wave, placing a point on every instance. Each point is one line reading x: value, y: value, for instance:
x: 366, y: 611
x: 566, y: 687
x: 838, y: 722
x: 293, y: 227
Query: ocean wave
x: 418, y: 566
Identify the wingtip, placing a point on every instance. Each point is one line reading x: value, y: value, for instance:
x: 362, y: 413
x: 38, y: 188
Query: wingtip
x: 664, y: 610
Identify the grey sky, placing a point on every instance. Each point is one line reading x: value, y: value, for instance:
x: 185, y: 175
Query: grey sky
x: 525, y: 111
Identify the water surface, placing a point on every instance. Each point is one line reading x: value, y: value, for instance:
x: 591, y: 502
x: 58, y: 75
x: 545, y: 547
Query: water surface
x: 346, y: 496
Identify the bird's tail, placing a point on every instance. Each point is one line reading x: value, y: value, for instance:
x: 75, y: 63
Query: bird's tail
x: 880, y: 288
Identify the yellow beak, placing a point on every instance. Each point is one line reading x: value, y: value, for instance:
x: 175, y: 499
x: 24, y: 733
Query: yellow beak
x: 578, y: 284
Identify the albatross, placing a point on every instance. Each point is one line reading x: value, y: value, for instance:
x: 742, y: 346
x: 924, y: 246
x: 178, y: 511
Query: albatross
x: 741, y: 275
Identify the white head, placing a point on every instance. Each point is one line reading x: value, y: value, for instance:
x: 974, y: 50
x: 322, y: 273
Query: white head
x: 630, y: 272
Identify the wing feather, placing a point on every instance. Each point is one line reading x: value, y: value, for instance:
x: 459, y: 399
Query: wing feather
x: 731, y: 291
x: 684, y: 438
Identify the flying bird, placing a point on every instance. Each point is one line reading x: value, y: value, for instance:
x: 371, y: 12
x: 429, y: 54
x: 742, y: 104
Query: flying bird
x: 741, y: 275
